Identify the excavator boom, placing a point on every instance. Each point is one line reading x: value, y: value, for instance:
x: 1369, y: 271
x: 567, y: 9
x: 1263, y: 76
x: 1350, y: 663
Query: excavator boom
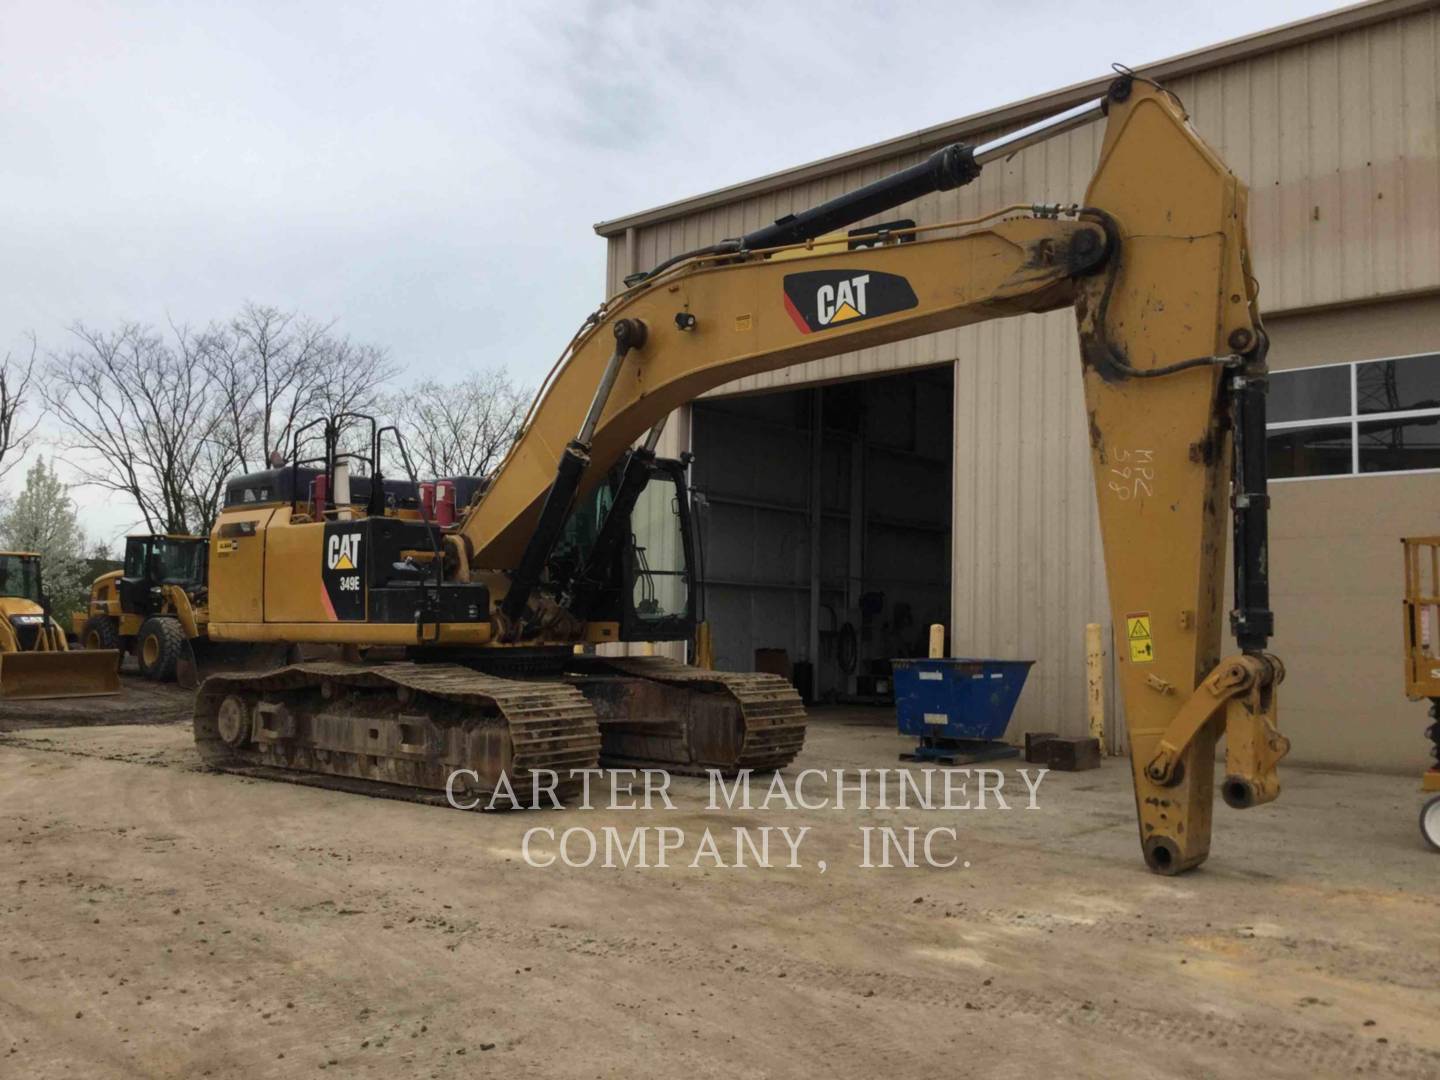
x: 715, y: 320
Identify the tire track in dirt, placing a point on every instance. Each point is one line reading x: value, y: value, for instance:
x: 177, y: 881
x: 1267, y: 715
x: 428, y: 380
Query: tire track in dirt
x: 1315, y: 1052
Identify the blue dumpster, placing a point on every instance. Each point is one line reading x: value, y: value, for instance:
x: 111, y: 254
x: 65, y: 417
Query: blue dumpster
x: 957, y: 708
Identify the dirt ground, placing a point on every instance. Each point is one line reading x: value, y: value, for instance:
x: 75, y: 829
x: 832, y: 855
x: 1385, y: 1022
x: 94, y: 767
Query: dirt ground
x: 157, y: 921
x: 140, y: 701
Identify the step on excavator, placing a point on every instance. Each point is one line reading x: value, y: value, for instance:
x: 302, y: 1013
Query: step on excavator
x: 582, y: 537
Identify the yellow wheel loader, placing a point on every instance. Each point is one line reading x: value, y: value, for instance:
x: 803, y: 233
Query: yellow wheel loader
x: 36, y: 661
x: 154, y: 608
x: 583, y: 535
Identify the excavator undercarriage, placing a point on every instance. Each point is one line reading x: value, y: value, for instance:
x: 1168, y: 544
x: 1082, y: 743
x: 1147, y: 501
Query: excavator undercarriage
x: 420, y: 730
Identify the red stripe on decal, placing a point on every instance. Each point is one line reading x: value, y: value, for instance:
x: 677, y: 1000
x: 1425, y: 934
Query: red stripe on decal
x: 800, y: 323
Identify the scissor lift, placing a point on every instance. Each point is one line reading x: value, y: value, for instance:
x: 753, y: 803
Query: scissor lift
x: 1422, y: 659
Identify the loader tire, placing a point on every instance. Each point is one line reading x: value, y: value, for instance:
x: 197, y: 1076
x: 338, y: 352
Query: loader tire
x: 100, y: 632
x: 159, y: 647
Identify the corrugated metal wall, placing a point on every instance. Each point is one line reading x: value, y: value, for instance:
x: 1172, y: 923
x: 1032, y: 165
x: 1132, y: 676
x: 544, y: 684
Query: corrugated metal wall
x: 1027, y: 574
x: 1337, y: 139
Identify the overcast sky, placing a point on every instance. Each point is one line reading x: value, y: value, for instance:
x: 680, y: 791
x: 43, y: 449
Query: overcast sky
x: 429, y: 174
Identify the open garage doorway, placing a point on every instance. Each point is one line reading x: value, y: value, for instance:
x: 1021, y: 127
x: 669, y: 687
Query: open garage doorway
x: 825, y: 528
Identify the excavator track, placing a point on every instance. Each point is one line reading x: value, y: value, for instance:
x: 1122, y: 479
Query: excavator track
x: 657, y: 712
x: 398, y: 730
x: 401, y: 730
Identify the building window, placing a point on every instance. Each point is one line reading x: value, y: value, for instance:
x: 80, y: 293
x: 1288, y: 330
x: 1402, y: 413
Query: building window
x: 1370, y: 416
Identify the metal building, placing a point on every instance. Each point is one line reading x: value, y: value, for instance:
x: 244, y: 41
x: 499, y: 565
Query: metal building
x: 852, y: 500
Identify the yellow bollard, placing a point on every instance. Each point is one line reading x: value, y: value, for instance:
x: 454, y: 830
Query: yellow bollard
x: 937, y: 640
x: 704, y: 650
x: 1095, y: 683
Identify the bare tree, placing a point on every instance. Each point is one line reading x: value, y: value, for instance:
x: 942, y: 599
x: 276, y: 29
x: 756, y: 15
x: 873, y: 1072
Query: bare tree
x: 277, y: 370
x: 147, y: 420
x: 165, y: 420
x: 355, y: 376
x: 463, y: 428
x: 15, y: 390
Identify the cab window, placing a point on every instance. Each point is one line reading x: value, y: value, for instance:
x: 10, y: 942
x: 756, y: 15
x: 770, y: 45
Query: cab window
x: 135, y: 560
x: 20, y: 577
x: 661, y: 588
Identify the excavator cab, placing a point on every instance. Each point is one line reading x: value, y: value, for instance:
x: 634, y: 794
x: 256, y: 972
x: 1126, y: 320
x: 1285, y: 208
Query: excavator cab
x: 628, y: 551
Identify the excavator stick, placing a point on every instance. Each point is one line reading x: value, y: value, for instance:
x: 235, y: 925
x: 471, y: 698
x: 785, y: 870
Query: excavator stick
x: 59, y: 674
x: 1173, y: 354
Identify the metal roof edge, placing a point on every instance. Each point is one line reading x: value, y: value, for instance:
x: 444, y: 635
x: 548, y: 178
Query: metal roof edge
x: 1029, y: 109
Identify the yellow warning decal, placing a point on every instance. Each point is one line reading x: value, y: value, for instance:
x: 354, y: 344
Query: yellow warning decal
x: 1137, y: 631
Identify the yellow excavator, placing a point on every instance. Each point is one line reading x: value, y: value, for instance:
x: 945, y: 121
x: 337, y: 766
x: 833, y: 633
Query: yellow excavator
x: 582, y: 536
x: 36, y: 661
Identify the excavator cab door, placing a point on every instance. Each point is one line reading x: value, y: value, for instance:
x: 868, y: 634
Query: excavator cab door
x: 659, y: 561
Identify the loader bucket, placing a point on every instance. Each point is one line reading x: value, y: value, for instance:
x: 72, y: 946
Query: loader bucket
x: 187, y: 671
x: 75, y: 673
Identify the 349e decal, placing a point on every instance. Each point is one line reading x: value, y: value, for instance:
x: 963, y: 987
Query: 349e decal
x: 824, y: 299
x: 342, y: 577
